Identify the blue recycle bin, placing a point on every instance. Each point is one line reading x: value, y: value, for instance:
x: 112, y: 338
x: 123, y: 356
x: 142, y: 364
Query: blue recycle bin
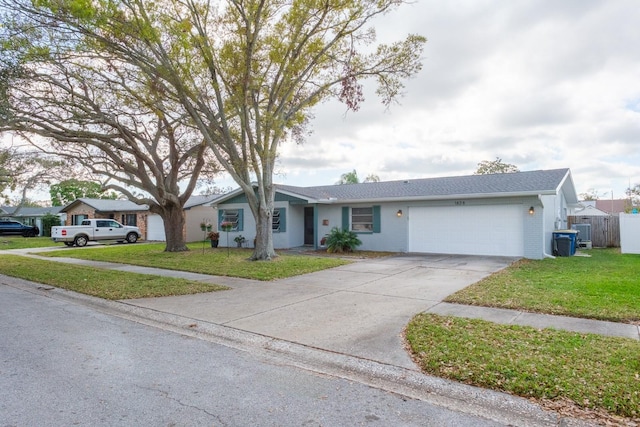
x: 560, y: 242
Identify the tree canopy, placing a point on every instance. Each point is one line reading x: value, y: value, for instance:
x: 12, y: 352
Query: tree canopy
x: 486, y: 167
x: 634, y: 193
x: 69, y: 190
x: 352, y: 178
x: 239, y: 76
x: 24, y: 170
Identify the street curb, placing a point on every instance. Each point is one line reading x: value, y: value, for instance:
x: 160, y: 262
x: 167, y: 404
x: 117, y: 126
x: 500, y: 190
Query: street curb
x: 488, y: 404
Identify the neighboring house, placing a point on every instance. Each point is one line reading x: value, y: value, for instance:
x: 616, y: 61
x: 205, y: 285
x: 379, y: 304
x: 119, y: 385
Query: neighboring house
x: 614, y: 206
x: 123, y: 211
x: 197, y: 209
x: 512, y: 214
x: 30, y: 215
x: 587, y: 208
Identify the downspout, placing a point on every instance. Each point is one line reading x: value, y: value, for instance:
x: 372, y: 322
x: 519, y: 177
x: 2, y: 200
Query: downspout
x: 544, y: 246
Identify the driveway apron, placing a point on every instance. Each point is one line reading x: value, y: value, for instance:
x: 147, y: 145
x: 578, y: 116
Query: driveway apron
x: 358, y: 309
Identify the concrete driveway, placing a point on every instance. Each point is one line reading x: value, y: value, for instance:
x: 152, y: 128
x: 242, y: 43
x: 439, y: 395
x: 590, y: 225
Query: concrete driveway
x: 359, y: 309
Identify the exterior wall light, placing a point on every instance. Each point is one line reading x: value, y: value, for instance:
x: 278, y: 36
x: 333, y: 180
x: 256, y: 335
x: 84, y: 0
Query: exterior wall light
x: 531, y: 210
x: 399, y: 213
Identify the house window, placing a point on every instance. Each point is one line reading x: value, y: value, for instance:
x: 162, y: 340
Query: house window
x: 77, y: 219
x: 129, y: 219
x: 233, y: 216
x: 362, y: 219
x: 279, y: 220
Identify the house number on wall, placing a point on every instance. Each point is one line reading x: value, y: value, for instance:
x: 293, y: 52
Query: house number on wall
x: 459, y: 202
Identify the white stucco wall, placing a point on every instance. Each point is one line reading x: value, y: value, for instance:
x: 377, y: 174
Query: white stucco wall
x: 194, y: 216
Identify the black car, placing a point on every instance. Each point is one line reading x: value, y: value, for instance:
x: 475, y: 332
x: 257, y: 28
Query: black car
x: 15, y: 227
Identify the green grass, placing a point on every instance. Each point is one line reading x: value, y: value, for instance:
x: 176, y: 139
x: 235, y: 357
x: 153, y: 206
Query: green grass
x: 108, y: 284
x: 212, y: 261
x: 604, y: 286
x: 589, y: 371
x: 19, y: 242
x: 575, y: 371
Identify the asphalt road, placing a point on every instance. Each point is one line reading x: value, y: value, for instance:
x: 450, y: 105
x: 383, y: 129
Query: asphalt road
x: 63, y: 363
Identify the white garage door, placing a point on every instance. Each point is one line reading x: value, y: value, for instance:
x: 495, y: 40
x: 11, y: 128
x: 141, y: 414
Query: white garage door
x: 470, y: 230
x: 155, y: 228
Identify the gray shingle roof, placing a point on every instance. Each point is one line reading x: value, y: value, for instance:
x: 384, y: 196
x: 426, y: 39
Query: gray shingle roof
x: 31, y: 211
x: 519, y: 183
x: 107, y: 205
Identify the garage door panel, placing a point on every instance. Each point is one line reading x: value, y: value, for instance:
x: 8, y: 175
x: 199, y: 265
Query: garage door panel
x: 472, y: 230
x: 155, y: 228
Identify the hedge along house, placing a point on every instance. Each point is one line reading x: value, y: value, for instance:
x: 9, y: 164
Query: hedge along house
x: 511, y: 214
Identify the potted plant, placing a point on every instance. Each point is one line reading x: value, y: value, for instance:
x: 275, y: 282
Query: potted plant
x: 214, y: 236
x: 206, y: 226
x: 239, y: 240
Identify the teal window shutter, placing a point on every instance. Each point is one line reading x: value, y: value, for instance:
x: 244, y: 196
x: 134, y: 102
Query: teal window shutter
x: 376, y: 219
x: 283, y: 219
x: 345, y: 217
x: 220, y: 216
x: 240, y: 219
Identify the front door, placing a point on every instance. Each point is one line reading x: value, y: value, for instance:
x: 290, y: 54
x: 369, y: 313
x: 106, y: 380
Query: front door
x: 309, y: 226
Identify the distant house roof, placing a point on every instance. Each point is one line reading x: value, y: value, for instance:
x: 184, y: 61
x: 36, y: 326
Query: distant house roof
x: 614, y: 206
x: 540, y: 182
x: 107, y: 205
x: 30, y: 211
x: 587, y: 209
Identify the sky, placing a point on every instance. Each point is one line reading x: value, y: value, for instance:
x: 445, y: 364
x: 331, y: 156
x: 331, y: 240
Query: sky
x: 541, y: 84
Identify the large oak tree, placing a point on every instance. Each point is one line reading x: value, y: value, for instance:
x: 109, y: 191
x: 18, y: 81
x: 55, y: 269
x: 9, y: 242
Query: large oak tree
x: 246, y: 73
x: 81, y: 102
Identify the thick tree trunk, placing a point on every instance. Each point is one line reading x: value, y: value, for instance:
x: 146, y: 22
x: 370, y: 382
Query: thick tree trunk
x: 174, y: 222
x: 264, y: 237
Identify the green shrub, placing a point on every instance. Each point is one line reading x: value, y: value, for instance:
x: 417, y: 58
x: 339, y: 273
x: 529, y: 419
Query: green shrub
x: 342, y: 240
x: 49, y: 220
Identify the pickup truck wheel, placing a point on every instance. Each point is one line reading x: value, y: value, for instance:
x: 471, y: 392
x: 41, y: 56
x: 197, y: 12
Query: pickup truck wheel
x: 132, y: 238
x: 81, y: 241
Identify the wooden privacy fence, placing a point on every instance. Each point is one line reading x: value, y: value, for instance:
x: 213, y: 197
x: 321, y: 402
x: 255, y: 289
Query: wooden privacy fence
x: 605, y: 230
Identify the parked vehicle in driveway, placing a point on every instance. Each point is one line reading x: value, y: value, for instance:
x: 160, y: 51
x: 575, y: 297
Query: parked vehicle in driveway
x: 15, y: 227
x: 95, y: 230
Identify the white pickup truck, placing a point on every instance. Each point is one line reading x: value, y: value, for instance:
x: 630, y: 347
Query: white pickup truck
x: 94, y: 230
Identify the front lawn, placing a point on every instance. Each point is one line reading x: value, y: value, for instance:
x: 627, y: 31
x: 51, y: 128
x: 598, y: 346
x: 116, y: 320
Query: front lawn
x: 577, y: 374
x: 566, y: 371
x: 108, y: 284
x: 19, y: 242
x: 604, y: 286
x: 219, y: 261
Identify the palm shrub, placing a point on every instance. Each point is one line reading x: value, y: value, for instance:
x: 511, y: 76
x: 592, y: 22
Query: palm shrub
x: 340, y: 240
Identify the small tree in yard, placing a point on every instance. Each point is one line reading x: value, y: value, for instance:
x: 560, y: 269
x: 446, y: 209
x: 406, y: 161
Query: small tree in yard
x: 244, y: 74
